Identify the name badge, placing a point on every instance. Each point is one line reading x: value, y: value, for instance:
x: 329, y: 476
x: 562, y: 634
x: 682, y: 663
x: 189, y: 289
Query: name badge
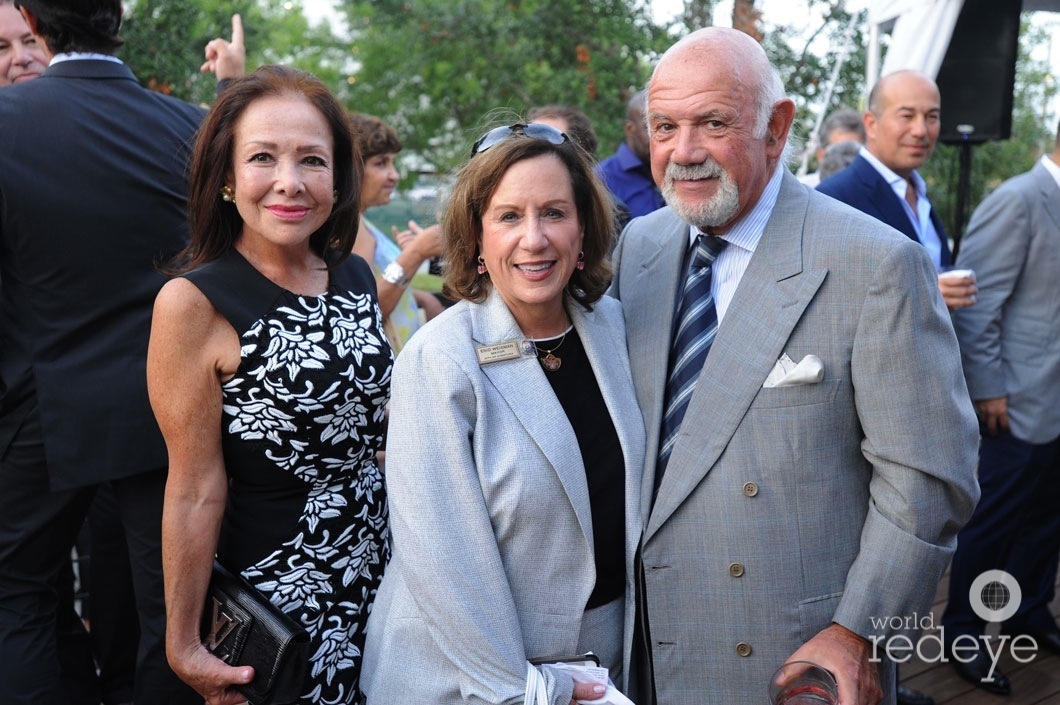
x: 499, y: 352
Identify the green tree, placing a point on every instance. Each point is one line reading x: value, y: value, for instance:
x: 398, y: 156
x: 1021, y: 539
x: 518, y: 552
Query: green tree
x: 440, y: 69
x: 164, y: 42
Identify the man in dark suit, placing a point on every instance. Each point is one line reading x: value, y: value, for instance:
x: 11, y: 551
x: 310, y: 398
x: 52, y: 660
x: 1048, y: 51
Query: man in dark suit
x: 902, y: 126
x: 93, y: 193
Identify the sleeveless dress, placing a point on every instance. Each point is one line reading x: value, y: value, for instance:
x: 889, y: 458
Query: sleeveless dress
x: 303, y: 418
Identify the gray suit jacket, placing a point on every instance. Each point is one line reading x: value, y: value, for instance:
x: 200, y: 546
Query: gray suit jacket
x: 1009, y: 340
x: 785, y: 509
x: 493, y: 542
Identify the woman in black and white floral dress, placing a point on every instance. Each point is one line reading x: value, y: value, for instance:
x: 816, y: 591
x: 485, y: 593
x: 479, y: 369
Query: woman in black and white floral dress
x: 269, y: 372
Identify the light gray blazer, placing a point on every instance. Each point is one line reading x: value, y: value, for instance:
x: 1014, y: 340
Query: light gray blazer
x: 493, y: 542
x: 784, y: 509
x: 1009, y: 340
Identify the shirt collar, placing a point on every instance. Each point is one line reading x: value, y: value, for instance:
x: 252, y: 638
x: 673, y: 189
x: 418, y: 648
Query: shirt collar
x: 83, y: 56
x: 746, y: 232
x: 1052, y: 168
x: 893, y: 179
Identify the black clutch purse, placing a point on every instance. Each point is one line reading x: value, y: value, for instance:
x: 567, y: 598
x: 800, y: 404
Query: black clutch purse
x: 242, y: 628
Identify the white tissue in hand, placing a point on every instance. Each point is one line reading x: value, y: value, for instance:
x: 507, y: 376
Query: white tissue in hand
x: 595, y: 675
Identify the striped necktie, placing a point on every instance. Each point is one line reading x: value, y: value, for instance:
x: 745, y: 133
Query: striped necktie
x: 697, y: 323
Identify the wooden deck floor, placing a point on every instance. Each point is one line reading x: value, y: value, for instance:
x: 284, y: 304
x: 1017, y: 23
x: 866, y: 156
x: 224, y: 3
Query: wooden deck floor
x: 1034, y: 683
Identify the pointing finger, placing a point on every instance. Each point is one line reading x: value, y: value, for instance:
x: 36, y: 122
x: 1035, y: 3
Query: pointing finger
x: 237, y: 30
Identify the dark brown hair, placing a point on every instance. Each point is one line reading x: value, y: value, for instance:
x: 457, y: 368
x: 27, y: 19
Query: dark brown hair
x: 215, y: 225
x: 374, y: 137
x: 77, y: 25
x: 478, y: 180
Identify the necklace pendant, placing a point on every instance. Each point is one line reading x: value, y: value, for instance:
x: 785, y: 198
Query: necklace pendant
x: 551, y: 363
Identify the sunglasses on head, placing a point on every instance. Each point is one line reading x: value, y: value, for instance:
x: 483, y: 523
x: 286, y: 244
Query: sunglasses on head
x: 534, y: 130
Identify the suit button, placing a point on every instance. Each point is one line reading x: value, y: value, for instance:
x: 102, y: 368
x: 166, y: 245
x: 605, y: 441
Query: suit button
x: 750, y: 489
x: 736, y: 569
x: 743, y: 649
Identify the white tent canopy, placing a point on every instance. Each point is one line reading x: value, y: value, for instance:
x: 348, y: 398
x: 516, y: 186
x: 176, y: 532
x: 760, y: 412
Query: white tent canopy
x: 920, y: 33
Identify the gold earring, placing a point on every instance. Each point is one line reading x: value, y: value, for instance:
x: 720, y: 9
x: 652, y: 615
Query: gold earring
x: 227, y: 195
x: 335, y: 196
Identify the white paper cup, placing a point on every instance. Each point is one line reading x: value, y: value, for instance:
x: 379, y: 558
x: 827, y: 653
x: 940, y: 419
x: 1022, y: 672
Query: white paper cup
x: 957, y: 274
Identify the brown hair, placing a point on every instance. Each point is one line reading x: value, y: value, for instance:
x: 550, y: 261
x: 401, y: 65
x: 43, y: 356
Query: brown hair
x: 374, y: 137
x: 579, y: 127
x: 478, y: 180
x: 215, y: 225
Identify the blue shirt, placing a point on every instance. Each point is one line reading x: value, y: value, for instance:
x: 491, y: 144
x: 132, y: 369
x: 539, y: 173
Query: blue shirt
x: 629, y: 181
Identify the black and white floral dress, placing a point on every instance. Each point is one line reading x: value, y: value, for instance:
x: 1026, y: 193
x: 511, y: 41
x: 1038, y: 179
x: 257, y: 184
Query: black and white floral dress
x: 303, y: 417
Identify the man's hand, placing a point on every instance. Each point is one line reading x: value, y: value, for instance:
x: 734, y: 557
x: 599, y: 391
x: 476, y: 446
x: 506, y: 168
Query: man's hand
x: 957, y: 292
x: 993, y: 413
x: 227, y: 59
x: 846, y: 655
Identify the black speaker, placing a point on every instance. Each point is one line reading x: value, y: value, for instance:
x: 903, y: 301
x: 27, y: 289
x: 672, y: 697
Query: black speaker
x: 978, y: 73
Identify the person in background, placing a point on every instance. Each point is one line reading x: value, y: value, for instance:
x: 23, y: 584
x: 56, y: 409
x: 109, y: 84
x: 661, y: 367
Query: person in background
x: 1011, y: 357
x: 21, y: 58
x: 570, y: 121
x: 902, y: 126
x: 515, y: 500
x: 269, y: 371
x: 92, y: 177
x: 842, y: 125
x: 788, y: 486
x: 104, y: 578
x: 627, y: 172
x: 395, y: 263
x: 836, y: 157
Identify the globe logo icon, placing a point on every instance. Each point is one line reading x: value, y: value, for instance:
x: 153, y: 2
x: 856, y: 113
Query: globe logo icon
x: 995, y: 595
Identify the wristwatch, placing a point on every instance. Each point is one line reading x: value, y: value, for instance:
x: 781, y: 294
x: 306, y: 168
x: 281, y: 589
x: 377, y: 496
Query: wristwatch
x: 395, y: 274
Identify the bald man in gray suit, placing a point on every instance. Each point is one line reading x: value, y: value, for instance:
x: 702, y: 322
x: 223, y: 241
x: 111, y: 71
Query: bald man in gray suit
x: 824, y: 465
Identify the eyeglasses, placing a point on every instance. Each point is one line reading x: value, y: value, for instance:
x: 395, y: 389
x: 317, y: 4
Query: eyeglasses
x: 534, y: 130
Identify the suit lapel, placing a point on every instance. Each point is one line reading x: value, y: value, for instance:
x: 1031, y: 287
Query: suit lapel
x: 883, y: 197
x: 649, y: 333
x: 522, y: 385
x: 770, y: 299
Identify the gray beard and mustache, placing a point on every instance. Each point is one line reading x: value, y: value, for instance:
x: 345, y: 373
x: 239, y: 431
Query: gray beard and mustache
x: 716, y: 211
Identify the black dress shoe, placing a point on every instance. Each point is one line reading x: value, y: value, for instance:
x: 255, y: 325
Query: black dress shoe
x: 977, y: 672
x: 1048, y: 640
x: 908, y: 696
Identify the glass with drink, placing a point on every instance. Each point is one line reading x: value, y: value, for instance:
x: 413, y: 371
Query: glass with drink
x: 803, y: 683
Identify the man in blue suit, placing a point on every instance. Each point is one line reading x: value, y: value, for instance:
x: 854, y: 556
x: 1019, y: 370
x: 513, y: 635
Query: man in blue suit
x: 93, y: 191
x: 902, y: 126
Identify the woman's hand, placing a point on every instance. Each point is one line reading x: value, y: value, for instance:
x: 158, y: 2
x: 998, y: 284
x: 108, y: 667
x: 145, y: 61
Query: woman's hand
x: 425, y: 242
x: 587, y: 691
x: 210, y: 676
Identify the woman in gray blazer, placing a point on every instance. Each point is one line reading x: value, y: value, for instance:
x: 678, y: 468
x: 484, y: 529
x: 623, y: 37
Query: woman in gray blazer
x: 515, y: 445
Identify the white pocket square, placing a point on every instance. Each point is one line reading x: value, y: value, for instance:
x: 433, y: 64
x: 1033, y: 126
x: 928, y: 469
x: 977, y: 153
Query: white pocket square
x: 786, y: 373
